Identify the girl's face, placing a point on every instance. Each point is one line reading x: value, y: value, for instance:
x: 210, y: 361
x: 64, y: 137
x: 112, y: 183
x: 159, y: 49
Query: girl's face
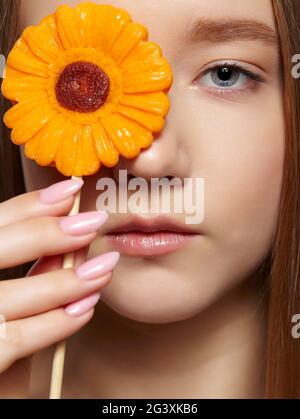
x: 225, y: 126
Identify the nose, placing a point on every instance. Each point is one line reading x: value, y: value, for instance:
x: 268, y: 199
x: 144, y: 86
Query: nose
x: 166, y: 157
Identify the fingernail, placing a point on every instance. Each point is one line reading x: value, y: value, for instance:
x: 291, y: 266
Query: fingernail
x: 83, y: 306
x: 99, y: 266
x: 86, y: 223
x: 60, y: 191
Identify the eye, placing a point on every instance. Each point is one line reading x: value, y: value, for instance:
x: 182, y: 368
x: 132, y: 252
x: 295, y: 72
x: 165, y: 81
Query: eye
x: 231, y: 77
x: 226, y: 77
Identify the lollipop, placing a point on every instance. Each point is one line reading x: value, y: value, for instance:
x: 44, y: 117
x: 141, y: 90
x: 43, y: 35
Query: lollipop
x: 87, y: 87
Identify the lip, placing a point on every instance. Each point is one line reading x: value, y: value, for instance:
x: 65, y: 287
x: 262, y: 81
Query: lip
x: 150, y: 237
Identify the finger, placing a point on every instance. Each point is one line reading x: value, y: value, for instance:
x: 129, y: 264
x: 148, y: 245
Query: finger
x: 56, y: 200
x: 46, y: 236
x: 28, y: 336
x: 46, y: 264
x: 54, y: 263
x: 22, y: 298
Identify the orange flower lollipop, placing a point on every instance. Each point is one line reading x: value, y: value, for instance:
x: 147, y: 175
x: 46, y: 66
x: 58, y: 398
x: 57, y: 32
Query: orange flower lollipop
x: 89, y: 87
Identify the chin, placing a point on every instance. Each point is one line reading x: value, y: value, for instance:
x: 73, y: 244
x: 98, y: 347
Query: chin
x: 141, y: 310
x: 153, y: 295
x: 177, y: 286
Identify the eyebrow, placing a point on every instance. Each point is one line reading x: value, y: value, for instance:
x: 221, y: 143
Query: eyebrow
x: 226, y: 30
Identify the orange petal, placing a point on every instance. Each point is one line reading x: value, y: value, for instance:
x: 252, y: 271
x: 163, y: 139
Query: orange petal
x: 76, y: 155
x: 87, y: 162
x: 157, y: 103
x: 116, y: 129
x: 50, y: 23
x: 69, y: 27
x: 49, y: 140
x: 31, y: 146
x: 65, y: 158
x: 141, y: 135
x: 42, y: 43
x: 16, y: 112
x: 150, y: 121
x: 113, y: 28
x: 147, y: 76
x: 93, y: 22
x: 17, y: 86
x: 143, y: 51
x: 127, y: 135
x: 22, y: 58
x: 27, y: 126
x: 128, y: 39
x: 105, y: 148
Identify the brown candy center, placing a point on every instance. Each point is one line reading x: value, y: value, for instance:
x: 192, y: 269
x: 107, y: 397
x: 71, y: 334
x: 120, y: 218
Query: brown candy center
x: 82, y: 87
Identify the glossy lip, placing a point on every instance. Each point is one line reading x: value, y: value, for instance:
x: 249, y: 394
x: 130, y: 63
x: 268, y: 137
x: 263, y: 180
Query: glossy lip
x: 150, y: 236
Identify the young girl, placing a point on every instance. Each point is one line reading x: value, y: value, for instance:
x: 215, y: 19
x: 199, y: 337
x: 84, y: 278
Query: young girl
x: 187, y: 311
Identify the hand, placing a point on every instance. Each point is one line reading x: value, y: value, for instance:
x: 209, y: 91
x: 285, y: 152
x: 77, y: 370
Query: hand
x: 51, y: 303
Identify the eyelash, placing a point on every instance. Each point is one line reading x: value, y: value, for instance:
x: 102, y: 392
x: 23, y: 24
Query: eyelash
x: 255, y: 78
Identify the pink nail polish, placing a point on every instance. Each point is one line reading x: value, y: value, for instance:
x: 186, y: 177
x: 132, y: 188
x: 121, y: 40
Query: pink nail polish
x: 83, y: 306
x: 86, y: 223
x: 99, y: 266
x: 60, y: 191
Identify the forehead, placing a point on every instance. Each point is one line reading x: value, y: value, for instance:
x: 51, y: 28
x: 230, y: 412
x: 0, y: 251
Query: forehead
x: 167, y: 20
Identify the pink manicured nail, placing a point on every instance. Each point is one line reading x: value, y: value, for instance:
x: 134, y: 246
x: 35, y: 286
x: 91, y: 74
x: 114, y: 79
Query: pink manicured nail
x: 86, y: 223
x: 60, y: 191
x: 99, y: 266
x: 83, y: 306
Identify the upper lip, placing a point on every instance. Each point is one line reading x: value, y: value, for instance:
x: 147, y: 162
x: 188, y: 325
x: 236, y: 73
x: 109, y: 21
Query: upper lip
x: 154, y: 224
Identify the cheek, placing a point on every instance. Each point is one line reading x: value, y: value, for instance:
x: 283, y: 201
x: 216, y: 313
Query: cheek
x: 241, y: 158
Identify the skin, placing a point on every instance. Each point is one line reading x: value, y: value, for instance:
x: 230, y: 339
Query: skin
x: 176, y: 325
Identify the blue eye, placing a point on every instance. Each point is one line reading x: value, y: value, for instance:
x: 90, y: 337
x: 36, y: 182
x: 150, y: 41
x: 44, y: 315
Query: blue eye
x: 228, y: 77
x: 225, y: 76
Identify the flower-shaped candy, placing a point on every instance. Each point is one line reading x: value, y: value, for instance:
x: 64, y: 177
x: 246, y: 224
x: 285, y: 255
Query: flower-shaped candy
x: 88, y: 87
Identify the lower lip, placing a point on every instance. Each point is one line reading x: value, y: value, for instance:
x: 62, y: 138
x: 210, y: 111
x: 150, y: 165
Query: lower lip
x: 150, y: 243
